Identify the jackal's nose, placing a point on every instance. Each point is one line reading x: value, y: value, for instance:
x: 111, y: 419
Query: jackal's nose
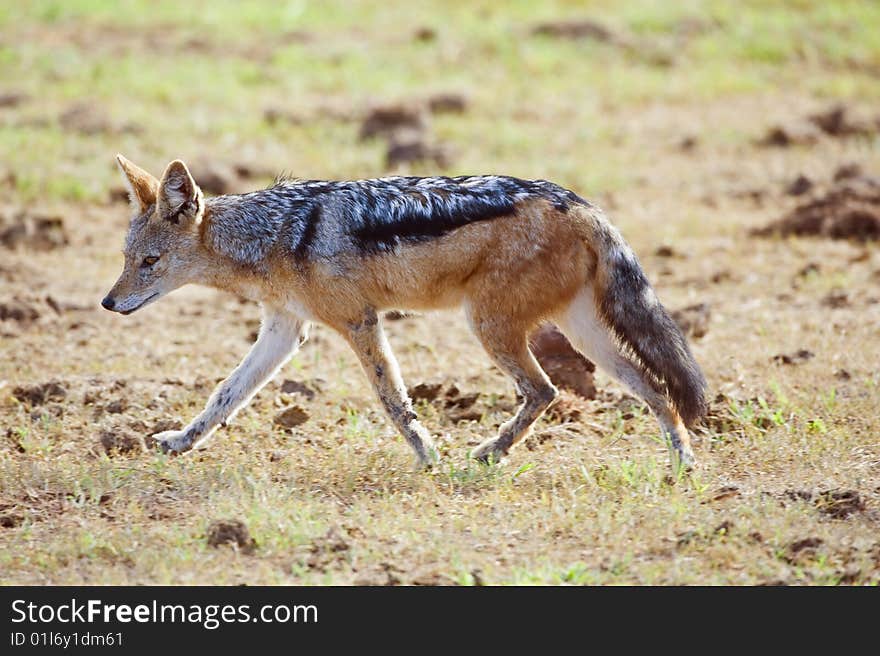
x: 108, y: 303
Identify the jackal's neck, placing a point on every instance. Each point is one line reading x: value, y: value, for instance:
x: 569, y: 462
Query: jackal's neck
x: 244, y: 228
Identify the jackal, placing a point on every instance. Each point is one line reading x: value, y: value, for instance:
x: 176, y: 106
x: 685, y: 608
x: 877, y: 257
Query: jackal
x: 512, y: 252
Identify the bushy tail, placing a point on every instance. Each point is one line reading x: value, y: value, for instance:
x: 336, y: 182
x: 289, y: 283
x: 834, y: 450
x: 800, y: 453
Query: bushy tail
x: 628, y: 305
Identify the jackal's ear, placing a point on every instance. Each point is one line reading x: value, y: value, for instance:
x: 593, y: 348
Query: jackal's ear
x: 179, y: 199
x: 142, y: 186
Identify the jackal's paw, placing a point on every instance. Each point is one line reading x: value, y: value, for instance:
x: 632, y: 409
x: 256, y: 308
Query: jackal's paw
x: 427, y: 460
x: 490, y: 452
x: 683, y: 462
x: 173, y: 441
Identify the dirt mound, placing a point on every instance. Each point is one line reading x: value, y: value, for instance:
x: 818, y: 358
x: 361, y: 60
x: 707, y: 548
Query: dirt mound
x: 426, y: 391
x: 10, y: 520
x: 90, y: 119
x: 567, y: 408
x: 40, y: 393
x: 424, y: 34
x: 27, y: 311
x: 849, y: 210
x: 389, y: 120
x: 214, y: 178
x: 411, y: 148
x: 576, y: 29
x: 836, y: 122
x: 114, y: 441
x: 16, y: 309
x: 295, y: 387
x: 456, y: 405
x: 233, y: 532
x: 800, y: 551
x: 220, y: 178
x: 328, y: 550
x: 291, y: 416
x: 461, y: 407
x: 405, y: 127
x: 839, y: 504
x: 798, y: 357
x: 797, y: 133
x: 693, y: 320
x: 565, y: 366
x: 447, y: 103
x: 32, y: 230
x: 799, y: 186
x: 13, y: 99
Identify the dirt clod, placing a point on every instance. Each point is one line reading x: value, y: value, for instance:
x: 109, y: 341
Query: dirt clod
x: 13, y: 99
x: 568, y: 408
x: 425, y: 34
x: 18, y: 310
x: 232, y: 532
x: 40, y: 393
x: 799, y: 186
x: 838, y: 121
x: 847, y: 172
x: 688, y: 143
x: 842, y: 214
x: 792, y: 134
x: 115, y: 441
x: 850, y: 209
x: 665, y: 250
x: 565, y: 366
x: 297, y: 388
x: 693, y: 320
x: 726, y: 492
x: 90, y: 119
x: 10, y: 520
x: 425, y: 391
x: 802, y: 550
x: 117, y: 406
x: 412, y: 148
x: 839, y: 504
x: 32, y: 230
x: 328, y: 550
x: 387, y: 120
x: 332, y: 542
x: 575, y: 29
x: 447, y: 103
x: 798, y: 357
x: 291, y: 416
x: 214, y: 178
x: 836, y: 299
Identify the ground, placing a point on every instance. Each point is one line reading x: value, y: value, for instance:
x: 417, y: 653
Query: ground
x: 656, y: 111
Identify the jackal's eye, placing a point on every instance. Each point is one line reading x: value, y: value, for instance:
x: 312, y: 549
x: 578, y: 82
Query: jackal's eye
x: 150, y: 261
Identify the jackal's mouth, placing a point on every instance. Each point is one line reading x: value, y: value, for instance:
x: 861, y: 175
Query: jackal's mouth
x: 142, y: 304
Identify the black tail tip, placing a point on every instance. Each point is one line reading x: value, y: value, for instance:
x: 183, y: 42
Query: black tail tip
x: 691, y: 401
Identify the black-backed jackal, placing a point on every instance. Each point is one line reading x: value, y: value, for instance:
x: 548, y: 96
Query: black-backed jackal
x: 512, y: 252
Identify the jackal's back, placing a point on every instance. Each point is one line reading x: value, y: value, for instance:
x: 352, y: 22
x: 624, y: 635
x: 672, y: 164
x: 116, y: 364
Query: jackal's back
x: 316, y: 218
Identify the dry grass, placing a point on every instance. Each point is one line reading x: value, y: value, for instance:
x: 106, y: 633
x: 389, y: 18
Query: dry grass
x: 335, y: 500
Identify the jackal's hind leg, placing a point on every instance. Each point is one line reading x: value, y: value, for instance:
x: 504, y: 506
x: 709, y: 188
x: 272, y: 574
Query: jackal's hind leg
x: 280, y: 336
x: 507, y: 345
x: 368, y: 340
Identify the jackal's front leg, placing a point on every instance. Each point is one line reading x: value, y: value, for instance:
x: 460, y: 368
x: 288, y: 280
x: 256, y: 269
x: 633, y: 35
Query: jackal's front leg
x: 280, y: 335
x: 368, y: 340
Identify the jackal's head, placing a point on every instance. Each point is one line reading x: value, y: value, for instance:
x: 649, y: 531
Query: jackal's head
x: 162, y: 249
